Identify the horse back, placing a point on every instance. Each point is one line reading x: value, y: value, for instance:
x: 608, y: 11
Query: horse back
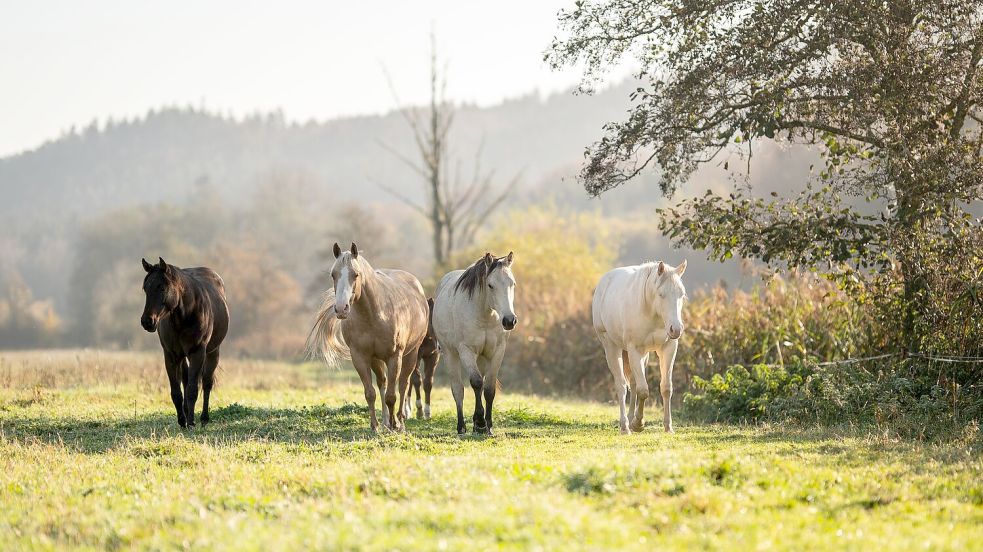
x: 207, y: 278
x: 407, y: 295
x: 618, y: 307
x: 211, y: 288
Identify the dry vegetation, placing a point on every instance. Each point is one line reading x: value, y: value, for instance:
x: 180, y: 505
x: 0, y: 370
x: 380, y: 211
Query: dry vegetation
x: 143, y: 371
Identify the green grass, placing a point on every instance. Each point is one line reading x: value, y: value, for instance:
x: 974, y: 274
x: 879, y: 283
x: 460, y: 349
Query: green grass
x: 294, y: 466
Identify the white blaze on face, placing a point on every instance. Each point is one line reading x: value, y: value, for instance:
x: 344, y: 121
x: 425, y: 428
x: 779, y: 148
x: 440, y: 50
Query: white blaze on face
x: 343, y: 291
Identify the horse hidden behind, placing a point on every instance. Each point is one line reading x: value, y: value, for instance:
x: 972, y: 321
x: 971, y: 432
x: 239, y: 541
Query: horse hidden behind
x: 188, y: 310
x: 637, y: 310
x: 382, y: 317
x: 472, y: 317
x: 429, y: 356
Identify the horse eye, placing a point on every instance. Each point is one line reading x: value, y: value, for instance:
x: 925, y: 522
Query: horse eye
x: 491, y: 286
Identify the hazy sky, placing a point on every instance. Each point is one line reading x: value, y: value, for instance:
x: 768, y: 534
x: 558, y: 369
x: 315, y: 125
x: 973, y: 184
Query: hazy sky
x: 65, y: 63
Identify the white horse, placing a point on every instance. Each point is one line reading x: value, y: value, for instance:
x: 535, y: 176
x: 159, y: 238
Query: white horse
x: 472, y: 317
x: 638, y: 310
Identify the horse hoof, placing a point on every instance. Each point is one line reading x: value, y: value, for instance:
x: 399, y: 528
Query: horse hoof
x: 419, y: 414
x: 637, y: 427
x: 204, y: 420
x: 625, y: 431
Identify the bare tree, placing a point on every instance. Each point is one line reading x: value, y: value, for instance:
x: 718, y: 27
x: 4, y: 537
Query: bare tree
x: 454, y: 208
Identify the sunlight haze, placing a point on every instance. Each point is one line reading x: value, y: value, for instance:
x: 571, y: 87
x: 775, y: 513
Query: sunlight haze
x: 65, y: 64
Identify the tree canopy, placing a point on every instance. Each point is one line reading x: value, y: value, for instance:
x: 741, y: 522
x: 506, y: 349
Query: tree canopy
x: 888, y: 91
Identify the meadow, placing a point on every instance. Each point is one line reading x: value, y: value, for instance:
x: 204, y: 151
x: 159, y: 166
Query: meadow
x: 91, y: 457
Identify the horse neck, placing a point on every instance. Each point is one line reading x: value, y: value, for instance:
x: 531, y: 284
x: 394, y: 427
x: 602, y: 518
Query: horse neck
x: 479, y: 303
x: 646, y: 281
x: 368, y: 299
x: 188, y: 301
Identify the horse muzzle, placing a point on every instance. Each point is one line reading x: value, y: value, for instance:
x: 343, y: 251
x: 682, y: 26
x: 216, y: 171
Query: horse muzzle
x: 509, y: 322
x: 342, y: 313
x: 674, y: 332
x: 149, y: 323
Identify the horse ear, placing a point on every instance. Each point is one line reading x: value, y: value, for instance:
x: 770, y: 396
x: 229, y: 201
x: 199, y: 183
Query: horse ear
x: 147, y: 266
x: 163, y: 266
x: 337, y: 250
x: 681, y: 268
x: 430, y: 302
x: 508, y: 259
x: 489, y: 259
x: 354, y: 250
x: 662, y: 268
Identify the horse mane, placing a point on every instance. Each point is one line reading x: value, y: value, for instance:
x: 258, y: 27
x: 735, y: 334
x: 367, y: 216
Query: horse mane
x: 358, y: 263
x: 651, y: 273
x: 476, y: 275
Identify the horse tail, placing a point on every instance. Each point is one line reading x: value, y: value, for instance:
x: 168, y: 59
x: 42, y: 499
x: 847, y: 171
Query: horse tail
x: 325, y: 340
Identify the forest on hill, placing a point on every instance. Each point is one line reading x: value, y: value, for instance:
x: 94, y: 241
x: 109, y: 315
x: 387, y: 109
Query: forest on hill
x: 262, y: 195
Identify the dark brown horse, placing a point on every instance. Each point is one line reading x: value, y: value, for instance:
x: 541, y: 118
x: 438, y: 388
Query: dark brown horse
x: 429, y: 355
x: 187, y: 309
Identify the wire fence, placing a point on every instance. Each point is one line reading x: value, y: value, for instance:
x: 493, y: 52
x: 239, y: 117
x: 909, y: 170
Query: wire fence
x: 951, y: 359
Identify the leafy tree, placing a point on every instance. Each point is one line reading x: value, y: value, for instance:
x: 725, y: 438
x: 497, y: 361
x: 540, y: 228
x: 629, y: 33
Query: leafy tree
x: 888, y: 91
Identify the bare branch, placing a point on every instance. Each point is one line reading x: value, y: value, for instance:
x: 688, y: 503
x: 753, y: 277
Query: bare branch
x: 407, y: 201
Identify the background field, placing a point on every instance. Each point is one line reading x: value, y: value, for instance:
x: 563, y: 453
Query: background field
x: 91, y: 456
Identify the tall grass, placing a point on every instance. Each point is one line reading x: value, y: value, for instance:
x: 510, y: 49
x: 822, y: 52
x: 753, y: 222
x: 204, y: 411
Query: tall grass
x: 782, y: 320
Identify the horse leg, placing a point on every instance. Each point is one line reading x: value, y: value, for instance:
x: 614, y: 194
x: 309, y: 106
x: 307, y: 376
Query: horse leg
x: 455, y: 368
x: 207, y: 382
x: 378, y: 368
x: 185, y: 367
x: 477, y: 382
x: 173, y: 364
x: 416, y: 381
x: 640, y: 390
x: 490, y: 383
x: 408, y: 366
x: 195, y: 366
x: 613, y: 356
x: 627, y: 377
x: 363, y: 365
x: 393, y: 367
x: 667, y: 357
x: 429, y: 367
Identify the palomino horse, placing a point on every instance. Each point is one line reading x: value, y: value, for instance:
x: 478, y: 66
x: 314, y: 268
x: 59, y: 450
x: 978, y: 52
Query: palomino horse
x: 187, y: 309
x: 429, y: 356
x: 637, y: 310
x: 382, y: 317
x: 472, y: 317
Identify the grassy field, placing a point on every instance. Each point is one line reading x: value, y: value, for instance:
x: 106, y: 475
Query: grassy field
x: 91, y: 456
